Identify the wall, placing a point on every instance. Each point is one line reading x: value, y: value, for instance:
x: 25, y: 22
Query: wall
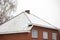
x: 27, y: 36
x: 21, y: 36
x: 41, y: 30
x: 59, y: 36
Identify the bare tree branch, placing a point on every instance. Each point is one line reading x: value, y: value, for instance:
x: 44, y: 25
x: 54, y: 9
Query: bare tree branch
x: 6, y: 7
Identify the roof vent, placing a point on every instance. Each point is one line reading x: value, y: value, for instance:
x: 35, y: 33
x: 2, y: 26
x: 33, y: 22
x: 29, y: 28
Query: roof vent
x: 27, y: 11
x: 29, y: 25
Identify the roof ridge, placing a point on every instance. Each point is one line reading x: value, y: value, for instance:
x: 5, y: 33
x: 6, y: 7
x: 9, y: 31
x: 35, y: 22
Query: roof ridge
x: 27, y: 17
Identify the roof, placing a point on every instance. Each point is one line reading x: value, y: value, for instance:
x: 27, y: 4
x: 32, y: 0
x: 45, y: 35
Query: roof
x: 20, y: 24
x: 16, y: 25
x: 39, y: 22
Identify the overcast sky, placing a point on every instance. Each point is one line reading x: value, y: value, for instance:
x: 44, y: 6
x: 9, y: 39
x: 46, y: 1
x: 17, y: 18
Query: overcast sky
x: 49, y: 10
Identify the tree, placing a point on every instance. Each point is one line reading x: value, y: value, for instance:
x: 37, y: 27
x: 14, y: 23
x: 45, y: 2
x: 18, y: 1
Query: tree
x: 6, y: 7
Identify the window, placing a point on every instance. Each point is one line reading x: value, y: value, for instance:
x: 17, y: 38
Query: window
x: 54, y: 36
x: 34, y: 34
x: 45, y: 35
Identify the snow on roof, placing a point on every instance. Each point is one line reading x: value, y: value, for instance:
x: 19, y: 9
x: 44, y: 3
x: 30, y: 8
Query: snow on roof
x: 18, y: 24
x: 39, y: 22
x: 21, y: 24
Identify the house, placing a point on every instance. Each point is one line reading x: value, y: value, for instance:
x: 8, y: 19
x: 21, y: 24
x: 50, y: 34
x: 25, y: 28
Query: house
x: 25, y: 26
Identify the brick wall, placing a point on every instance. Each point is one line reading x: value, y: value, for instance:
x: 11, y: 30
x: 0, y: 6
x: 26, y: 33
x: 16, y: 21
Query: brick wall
x: 27, y: 36
x: 59, y: 37
x: 20, y: 36
x: 50, y: 31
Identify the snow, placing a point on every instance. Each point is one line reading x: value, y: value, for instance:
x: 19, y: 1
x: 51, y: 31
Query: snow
x: 39, y: 22
x: 20, y: 24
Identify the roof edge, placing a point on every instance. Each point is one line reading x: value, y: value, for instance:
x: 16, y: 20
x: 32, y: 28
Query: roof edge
x: 44, y: 26
x: 14, y: 32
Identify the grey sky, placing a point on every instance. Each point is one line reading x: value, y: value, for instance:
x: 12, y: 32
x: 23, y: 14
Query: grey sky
x: 48, y: 10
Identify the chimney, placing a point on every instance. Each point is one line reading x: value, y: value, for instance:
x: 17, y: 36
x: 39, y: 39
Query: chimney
x: 27, y: 11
